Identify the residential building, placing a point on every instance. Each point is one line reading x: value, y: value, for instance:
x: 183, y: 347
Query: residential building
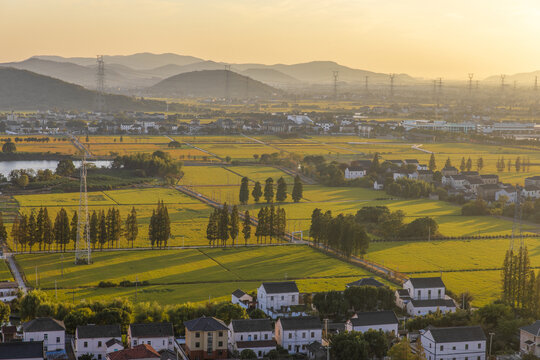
x: 490, y: 179
x: 402, y: 298
x: 355, y: 172
x: 460, y: 343
x: 139, y: 352
x: 425, y: 288
x: 159, y: 336
x: 300, y: 119
x: 423, y: 307
x: 507, y: 191
x: 385, y: 321
x: 425, y: 175
x: 52, y: 332
x: 425, y: 295
x: 365, y: 282
x: 529, y: 339
x: 316, y: 351
x: 8, y: 291
x: 28, y: 350
x: 241, y: 298
x: 531, y: 192
x: 532, y: 181
x: 487, y: 191
x: 449, y: 171
x: 254, y: 334
x: 295, y: 334
x: 277, y: 296
x: 206, y: 338
x: 9, y: 333
x: 97, y: 340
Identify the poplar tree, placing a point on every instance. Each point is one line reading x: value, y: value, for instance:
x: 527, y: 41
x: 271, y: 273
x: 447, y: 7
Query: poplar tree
x: 246, y: 229
x: 281, y: 191
x: 479, y: 164
x: 469, y: 164
x: 257, y: 192
x: 102, y: 232
x: 22, y: 231
x: 298, y: 189
x: 462, y: 166
x: 39, y: 227
x: 517, y: 164
x: 448, y: 163
x: 234, y: 226
x: 48, y: 235
x: 212, y: 228
x: 432, y: 164
x: 223, y: 225
x: 31, y: 230
x: 94, y: 229
x: 74, y: 228
x: 269, y: 190
x: 244, y: 191
x: 61, y: 229
x: 131, y: 226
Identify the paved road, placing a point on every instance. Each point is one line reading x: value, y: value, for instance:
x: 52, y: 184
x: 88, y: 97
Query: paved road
x: 16, y: 273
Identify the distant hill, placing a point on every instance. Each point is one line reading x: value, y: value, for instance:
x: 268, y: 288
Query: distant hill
x: 522, y: 79
x: 270, y: 76
x: 139, y: 61
x: 25, y: 90
x: 212, y: 83
x: 172, y: 69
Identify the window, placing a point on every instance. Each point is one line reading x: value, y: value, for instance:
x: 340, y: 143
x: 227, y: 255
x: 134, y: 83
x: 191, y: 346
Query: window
x: 303, y: 335
x: 255, y: 336
x: 58, y: 339
x: 149, y: 342
x: 197, y: 344
x: 479, y: 345
x: 442, y: 347
x: 163, y: 343
x: 45, y: 336
x: 99, y: 356
x: 466, y: 346
x: 430, y: 345
x: 271, y: 298
x: 419, y: 293
x: 290, y: 335
x: 220, y: 333
x: 260, y: 353
x: 265, y: 336
x: 241, y: 337
x: 134, y: 342
x: 197, y: 335
x: 99, y: 343
x: 453, y: 348
x: 282, y: 298
x: 429, y: 294
x: 303, y: 347
x: 86, y: 344
x: 220, y: 343
x: 289, y: 348
x: 313, y: 334
x: 293, y: 298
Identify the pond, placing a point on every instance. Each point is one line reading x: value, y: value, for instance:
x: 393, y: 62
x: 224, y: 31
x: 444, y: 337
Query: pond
x: 7, y: 166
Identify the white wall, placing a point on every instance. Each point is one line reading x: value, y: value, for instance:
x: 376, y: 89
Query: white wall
x: 275, y: 301
x: 56, y: 340
x: 295, y: 341
x: 158, y: 343
x: 95, y: 346
x: 450, y: 351
x: 424, y: 294
x: 384, y: 327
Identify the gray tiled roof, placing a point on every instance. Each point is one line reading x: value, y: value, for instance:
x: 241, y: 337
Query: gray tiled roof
x: 280, y: 287
x: 433, y: 303
x: 300, y: 323
x: 151, y: 330
x: 427, y: 282
x: 366, y: 282
x: 250, y: 325
x: 457, y: 334
x: 374, y: 318
x: 43, y: 324
x: 533, y: 328
x: 205, y: 324
x: 21, y: 350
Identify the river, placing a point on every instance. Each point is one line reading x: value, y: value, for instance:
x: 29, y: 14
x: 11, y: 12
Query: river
x: 7, y: 166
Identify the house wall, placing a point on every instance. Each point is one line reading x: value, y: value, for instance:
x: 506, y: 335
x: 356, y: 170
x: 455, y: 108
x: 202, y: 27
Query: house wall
x: 55, y: 340
x: 295, y: 341
x: 390, y: 328
x: 421, y: 311
x: 197, y: 346
x: 476, y: 349
x: 95, y: 346
x: 158, y: 343
x: 275, y: 301
x: 424, y: 294
x: 526, y: 349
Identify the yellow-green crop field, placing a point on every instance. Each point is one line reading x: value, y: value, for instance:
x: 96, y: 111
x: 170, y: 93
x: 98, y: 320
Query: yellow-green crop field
x: 187, y: 275
x: 5, y: 274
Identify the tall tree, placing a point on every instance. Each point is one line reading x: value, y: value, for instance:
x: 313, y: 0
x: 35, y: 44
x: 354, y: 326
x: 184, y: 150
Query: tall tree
x: 223, y: 225
x: 463, y: 165
x: 469, y: 164
x: 61, y: 229
x: 31, y: 230
x: 298, y: 189
x: 152, y: 229
x: 244, y: 191
x: 517, y: 164
x: 103, y: 237
x: 479, y: 164
x: 509, y: 165
x: 3, y: 231
x: 74, y: 228
x: 94, y: 229
x: 269, y: 190
x: 131, y: 227
x: 432, y: 163
x: 448, y: 163
x: 375, y: 163
x: 39, y: 227
x: 281, y: 191
x: 257, y: 192
x: 246, y: 228
x: 48, y: 234
x: 234, y: 226
x: 212, y: 230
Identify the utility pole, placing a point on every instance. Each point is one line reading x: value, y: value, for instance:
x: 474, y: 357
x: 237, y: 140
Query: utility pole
x: 392, y: 76
x: 366, y: 79
x: 471, y: 75
x: 490, y: 343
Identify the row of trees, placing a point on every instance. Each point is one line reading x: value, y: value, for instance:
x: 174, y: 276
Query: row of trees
x: 224, y: 224
x: 272, y: 222
x: 519, y: 164
x: 341, y: 233
x: 105, y: 228
x: 268, y: 193
x: 159, y: 230
x: 409, y: 188
x: 158, y: 163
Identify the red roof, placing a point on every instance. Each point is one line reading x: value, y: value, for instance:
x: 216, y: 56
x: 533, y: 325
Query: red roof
x: 143, y: 351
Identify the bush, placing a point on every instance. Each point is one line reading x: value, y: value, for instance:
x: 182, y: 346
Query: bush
x: 106, y: 284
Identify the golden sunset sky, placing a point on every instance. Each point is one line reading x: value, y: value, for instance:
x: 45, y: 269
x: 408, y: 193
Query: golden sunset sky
x: 420, y: 37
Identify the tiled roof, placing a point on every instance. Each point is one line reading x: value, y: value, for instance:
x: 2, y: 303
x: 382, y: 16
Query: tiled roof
x: 111, y: 342
x: 98, y: 331
x: 457, y: 334
x: 533, y: 328
x: 251, y: 325
x: 280, y: 287
x: 427, y: 282
x: 43, y: 324
x: 205, y: 324
x: 366, y: 282
x: 8, y: 285
x: 300, y: 323
x: 143, y: 351
x: 238, y: 293
x: 374, y: 318
x: 151, y: 330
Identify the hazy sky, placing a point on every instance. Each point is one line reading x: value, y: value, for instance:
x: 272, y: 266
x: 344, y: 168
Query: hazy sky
x: 428, y: 38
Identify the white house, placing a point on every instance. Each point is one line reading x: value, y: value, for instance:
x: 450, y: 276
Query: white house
x: 355, y: 172
x: 459, y: 343
x: 294, y: 334
x: 241, y: 298
x: 425, y: 295
x: 17, y: 350
x: 8, y: 291
x: 97, y: 340
x: 508, y: 192
x: 378, y: 185
x: 254, y: 334
x: 52, y: 332
x: 277, y: 296
x: 385, y: 321
x: 160, y: 336
x: 532, y: 192
x: 300, y: 119
x: 529, y: 339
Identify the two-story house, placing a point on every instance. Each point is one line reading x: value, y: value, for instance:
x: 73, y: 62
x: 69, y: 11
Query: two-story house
x: 8, y: 291
x: 385, y: 321
x: 206, y: 338
x: 241, y: 298
x: 51, y: 331
x: 158, y: 335
x: 424, y: 296
x: 294, y: 334
x: 254, y: 334
x: 529, y: 339
x: 459, y: 343
x: 355, y: 172
x: 275, y: 297
x: 97, y: 340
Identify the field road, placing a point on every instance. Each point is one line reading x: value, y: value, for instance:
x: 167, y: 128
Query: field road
x: 419, y: 148
x: 196, y: 147
x: 16, y: 274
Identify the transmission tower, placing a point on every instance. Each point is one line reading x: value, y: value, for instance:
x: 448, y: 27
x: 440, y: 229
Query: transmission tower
x: 503, y: 76
x: 366, y: 79
x: 82, y: 245
x: 471, y: 75
x: 335, y: 74
x: 227, y: 71
x: 536, y: 83
x: 392, y: 76
x: 100, y: 84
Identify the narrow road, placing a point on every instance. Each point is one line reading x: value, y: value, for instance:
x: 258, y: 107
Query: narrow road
x: 16, y: 274
x: 419, y: 148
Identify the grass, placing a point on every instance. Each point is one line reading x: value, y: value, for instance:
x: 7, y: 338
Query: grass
x: 189, y: 275
x: 5, y: 274
x: 208, y: 175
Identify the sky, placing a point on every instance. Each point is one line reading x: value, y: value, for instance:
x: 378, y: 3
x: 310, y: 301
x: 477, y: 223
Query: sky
x: 425, y: 38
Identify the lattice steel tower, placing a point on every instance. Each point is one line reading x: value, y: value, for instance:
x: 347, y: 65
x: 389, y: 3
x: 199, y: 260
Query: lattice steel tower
x: 335, y: 74
x: 100, y: 84
x: 82, y: 245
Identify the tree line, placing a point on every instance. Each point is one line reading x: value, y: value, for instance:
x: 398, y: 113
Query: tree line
x: 272, y: 222
x: 224, y: 224
x: 158, y: 163
x: 340, y: 233
x: 280, y: 192
x: 519, y: 164
x: 159, y: 230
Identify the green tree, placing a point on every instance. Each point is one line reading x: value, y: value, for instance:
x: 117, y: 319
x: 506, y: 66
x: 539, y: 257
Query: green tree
x: 463, y: 165
x: 517, y: 164
x: 3, y: 231
x: 432, y: 163
x: 244, y: 191
x: 281, y: 191
x: 246, y: 228
x: 234, y: 224
x: 212, y: 229
x: 479, y: 164
x: 5, y: 311
x: 269, y: 190
x: 30, y: 303
x: 9, y: 147
x: 40, y: 222
x: 131, y: 226
x: 48, y: 231
x: 228, y: 311
x: 348, y: 345
x: 74, y: 227
x: 94, y: 229
x: 23, y: 181
x: 248, y: 354
x: 223, y: 225
x: 257, y: 192
x: 31, y: 230
x: 298, y: 189
x: 448, y: 163
x: 102, y: 229
x: 469, y: 164
x: 65, y: 167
